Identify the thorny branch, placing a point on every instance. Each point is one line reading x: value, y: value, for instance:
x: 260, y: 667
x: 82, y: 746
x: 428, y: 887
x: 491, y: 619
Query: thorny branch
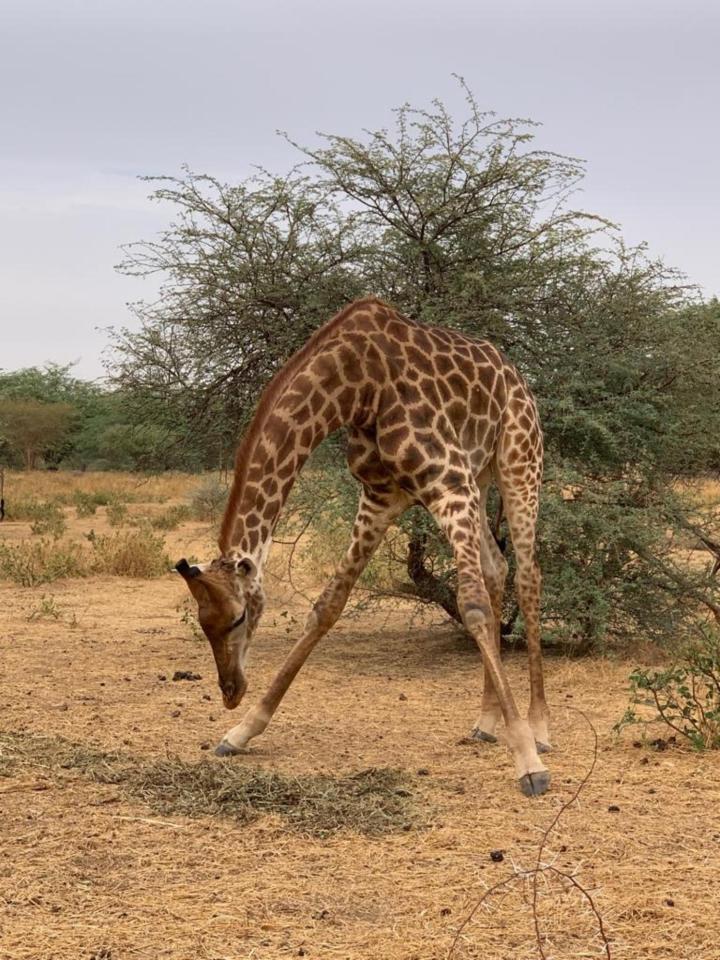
x: 541, y: 868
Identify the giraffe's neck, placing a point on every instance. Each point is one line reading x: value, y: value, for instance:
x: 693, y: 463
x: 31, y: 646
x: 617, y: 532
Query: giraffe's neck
x: 296, y: 413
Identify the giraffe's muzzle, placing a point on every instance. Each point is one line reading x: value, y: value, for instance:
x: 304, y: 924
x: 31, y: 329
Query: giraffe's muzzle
x: 233, y: 690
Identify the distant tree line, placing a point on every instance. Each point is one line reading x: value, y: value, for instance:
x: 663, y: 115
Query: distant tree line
x: 50, y: 419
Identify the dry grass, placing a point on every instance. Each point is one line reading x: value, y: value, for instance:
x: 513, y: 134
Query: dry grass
x: 62, y: 486
x: 136, y: 553
x: 371, y: 802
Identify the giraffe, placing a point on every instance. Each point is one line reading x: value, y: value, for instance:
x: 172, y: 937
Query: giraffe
x: 433, y: 418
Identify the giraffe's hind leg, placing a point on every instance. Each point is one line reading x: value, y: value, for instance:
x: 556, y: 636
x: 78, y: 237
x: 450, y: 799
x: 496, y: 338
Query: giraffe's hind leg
x: 521, y: 509
x: 457, y: 510
x: 494, y: 568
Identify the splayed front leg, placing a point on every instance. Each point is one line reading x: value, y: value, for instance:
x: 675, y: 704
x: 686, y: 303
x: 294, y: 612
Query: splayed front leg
x: 252, y: 725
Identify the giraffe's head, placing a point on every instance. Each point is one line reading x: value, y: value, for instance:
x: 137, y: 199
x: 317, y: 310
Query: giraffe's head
x: 230, y: 600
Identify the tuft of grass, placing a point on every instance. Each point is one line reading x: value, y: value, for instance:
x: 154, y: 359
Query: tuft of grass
x: 85, y: 503
x: 30, y: 563
x: 133, y: 553
x: 372, y: 802
x: 188, y: 616
x: 47, y: 609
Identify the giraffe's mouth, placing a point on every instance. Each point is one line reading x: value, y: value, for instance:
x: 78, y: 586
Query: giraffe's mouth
x: 233, y: 690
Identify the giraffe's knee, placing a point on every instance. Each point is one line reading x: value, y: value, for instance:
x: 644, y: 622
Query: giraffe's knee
x: 476, y: 616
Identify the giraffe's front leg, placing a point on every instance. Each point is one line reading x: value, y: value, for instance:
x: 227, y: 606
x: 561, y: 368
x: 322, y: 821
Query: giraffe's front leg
x: 252, y: 725
x: 490, y: 713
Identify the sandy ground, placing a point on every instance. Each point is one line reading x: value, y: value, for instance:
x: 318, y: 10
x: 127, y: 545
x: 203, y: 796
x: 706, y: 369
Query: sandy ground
x: 86, y: 873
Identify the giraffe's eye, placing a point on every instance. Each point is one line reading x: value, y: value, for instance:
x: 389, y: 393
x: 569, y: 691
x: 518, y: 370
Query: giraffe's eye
x: 237, y: 622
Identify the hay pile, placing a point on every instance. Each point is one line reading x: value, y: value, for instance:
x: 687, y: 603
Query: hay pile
x: 371, y: 802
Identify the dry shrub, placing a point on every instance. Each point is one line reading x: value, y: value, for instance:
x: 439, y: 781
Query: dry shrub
x: 41, y: 561
x: 371, y: 802
x: 207, y: 501
x: 132, y: 553
x: 136, y: 553
x: 171, y: 518
x: 49, y: 520
x: 117, y: 514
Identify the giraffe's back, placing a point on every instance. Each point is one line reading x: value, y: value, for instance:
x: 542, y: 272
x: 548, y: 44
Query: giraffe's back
x: 435, y: 399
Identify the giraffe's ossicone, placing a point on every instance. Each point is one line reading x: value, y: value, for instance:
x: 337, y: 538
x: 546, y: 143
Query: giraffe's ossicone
x: 433, y: 418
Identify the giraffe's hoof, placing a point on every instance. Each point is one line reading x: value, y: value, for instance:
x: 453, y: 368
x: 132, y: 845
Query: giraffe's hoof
x: 483, y: 737
x: 542, y: 747
x: 535, y: 784
x: 225, y: 749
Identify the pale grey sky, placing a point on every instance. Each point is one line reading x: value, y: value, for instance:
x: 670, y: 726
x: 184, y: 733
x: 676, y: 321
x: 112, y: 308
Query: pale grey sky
x: 94, y: 93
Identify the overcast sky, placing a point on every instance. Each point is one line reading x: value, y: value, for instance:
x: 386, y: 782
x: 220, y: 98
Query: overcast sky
x: 94, y: 93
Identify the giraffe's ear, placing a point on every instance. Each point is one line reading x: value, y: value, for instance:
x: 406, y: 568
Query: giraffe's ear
x: 243, y: 567
x: 186, y: 571
x: 246, y: 568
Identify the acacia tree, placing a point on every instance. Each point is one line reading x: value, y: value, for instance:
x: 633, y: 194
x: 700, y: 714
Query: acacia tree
x: 35, y: 429
x: 468, y: 226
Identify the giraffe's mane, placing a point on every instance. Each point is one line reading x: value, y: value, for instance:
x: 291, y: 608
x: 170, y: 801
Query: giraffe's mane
x: 265, y: 406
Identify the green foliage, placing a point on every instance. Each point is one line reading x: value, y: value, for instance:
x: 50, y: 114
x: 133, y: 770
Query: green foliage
x: 100, y: 428
x: 686, y: 695
x: 35, y: 429
x: 86, y: 503
x: 188, y: 617
x: 30, y: 509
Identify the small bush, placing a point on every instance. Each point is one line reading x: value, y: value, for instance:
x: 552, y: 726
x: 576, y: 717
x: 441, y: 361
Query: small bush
x: 135, y: 553
x: 85, y: 504
x: 686, y: 696
x: 47, y: 609
x: 49, y: 520
x: 171, y: 518
x: 117, y: 514
x: 41, y: 561
x: 207, y: 502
